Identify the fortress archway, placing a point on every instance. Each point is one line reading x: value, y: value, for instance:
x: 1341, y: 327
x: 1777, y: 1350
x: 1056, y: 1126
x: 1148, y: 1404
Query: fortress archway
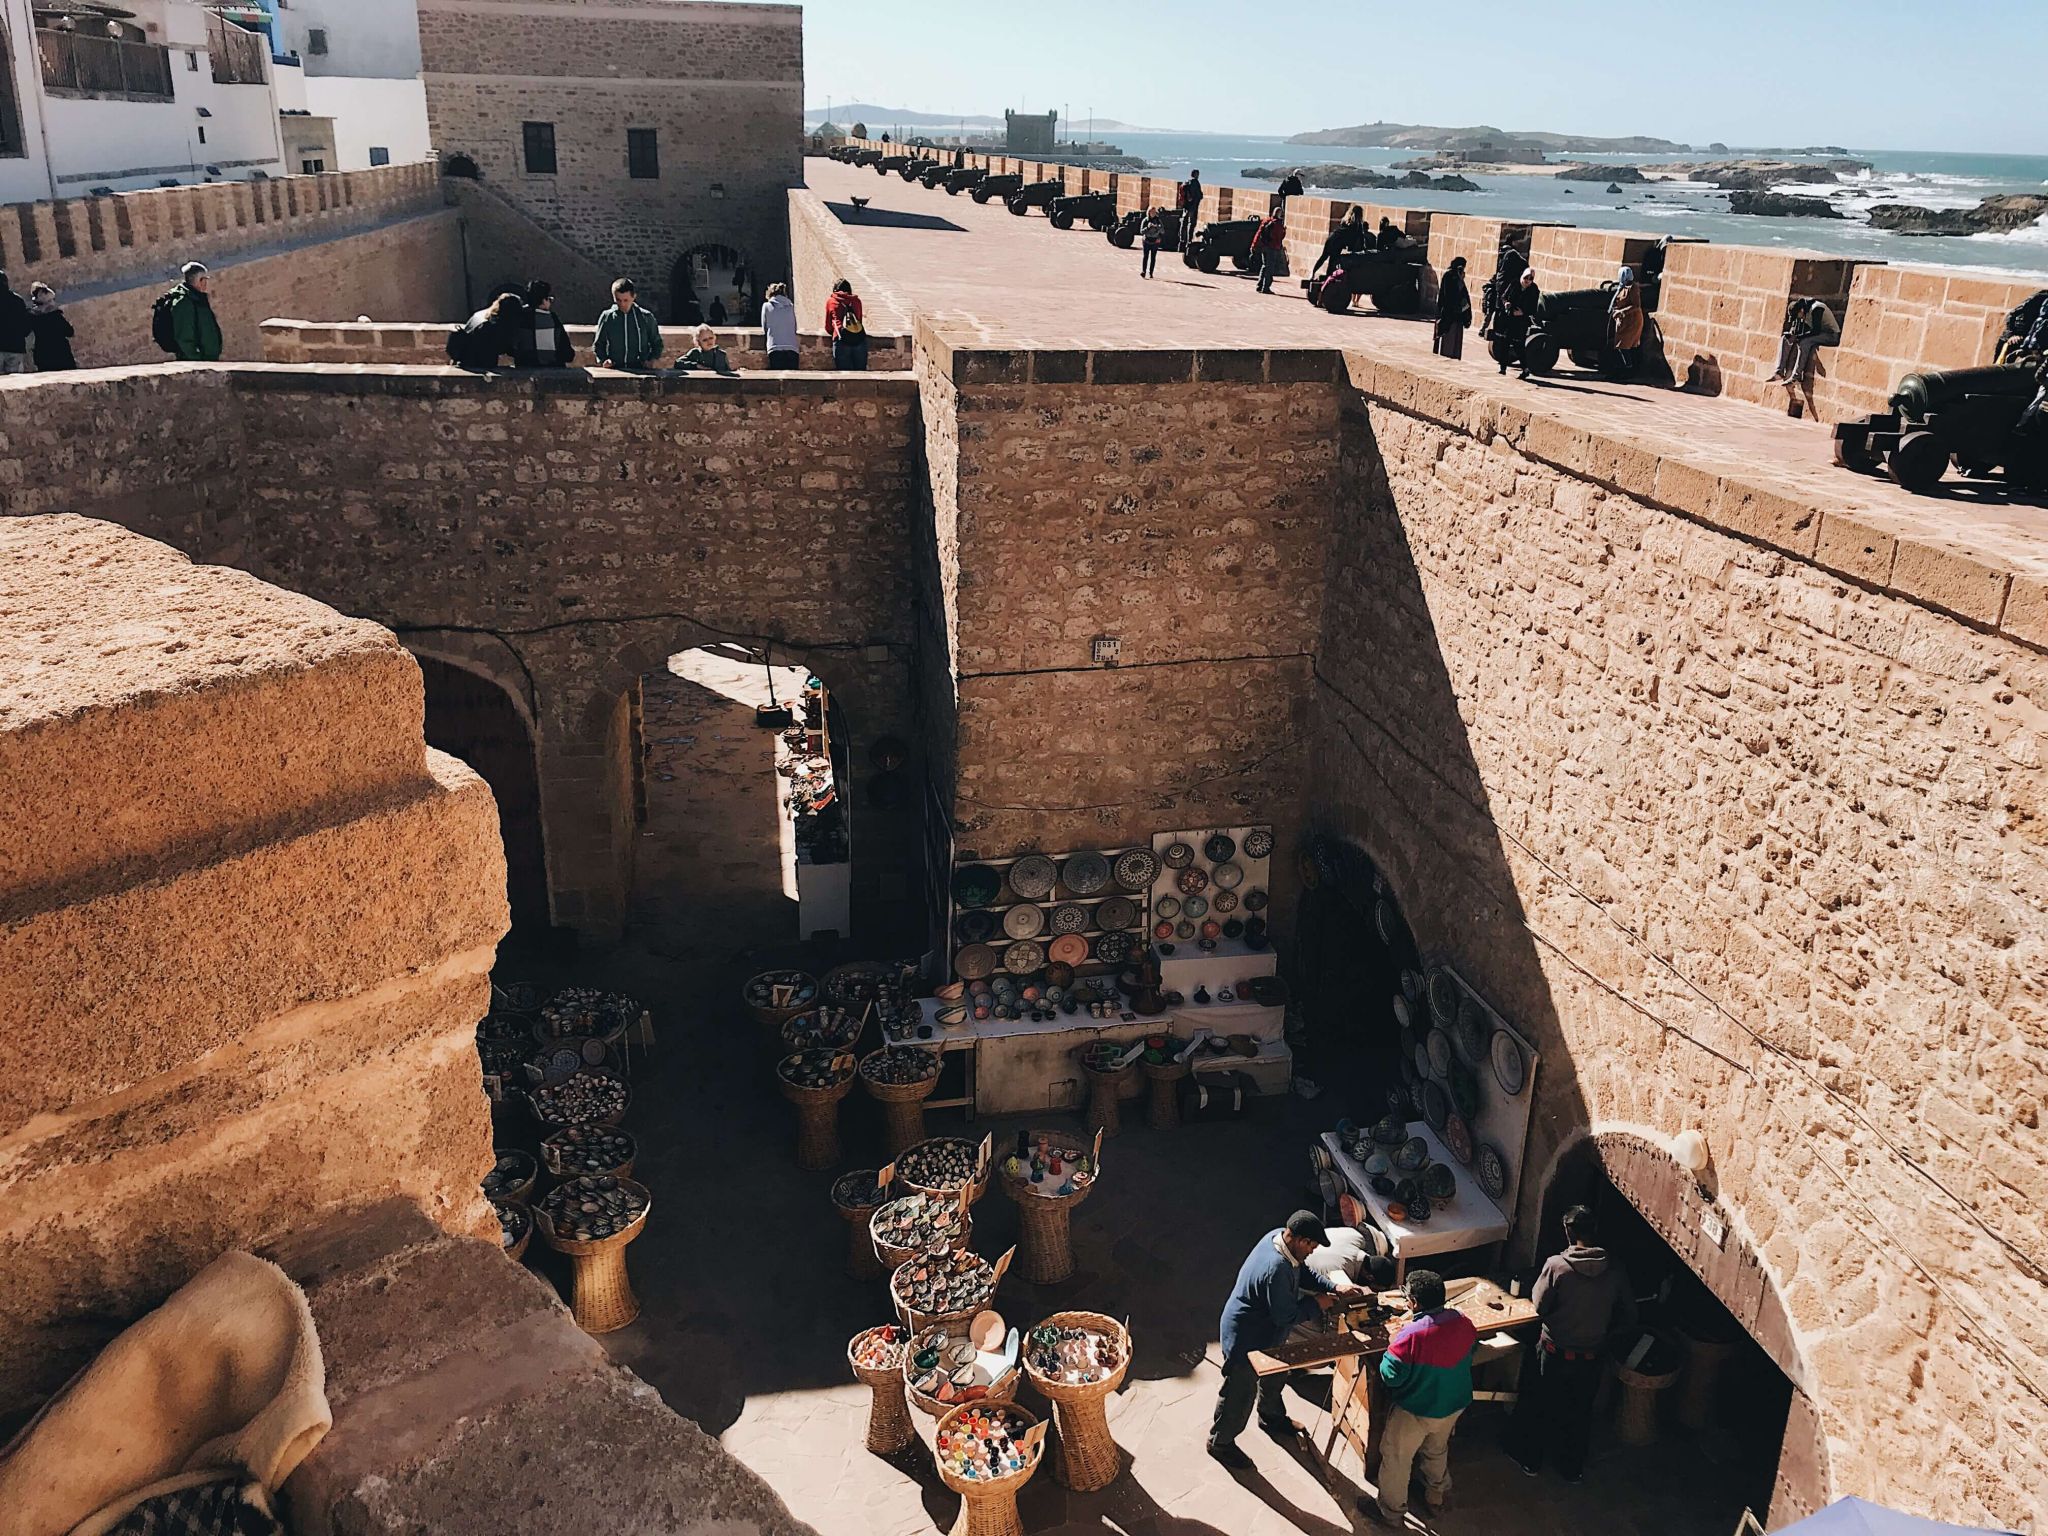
x: 712, y: 270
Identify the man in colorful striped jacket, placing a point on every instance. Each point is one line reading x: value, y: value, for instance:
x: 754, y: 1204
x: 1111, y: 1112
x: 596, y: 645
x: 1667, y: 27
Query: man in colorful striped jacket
x: 1428, y: 1373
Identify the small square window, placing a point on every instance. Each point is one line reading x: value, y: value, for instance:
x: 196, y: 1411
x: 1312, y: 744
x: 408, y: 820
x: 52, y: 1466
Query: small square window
x: 316, y: 39
x: 312, y: 167
x: 202, y: 133
x: 379, y: 155
x: 643, y: 160
x: 540, y: 148
x: 192, y: 59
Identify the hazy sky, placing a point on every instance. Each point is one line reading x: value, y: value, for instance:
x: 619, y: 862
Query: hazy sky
x: 1869, y: 74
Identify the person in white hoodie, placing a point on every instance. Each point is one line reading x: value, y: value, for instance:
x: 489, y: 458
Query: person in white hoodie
x: 778, y: 319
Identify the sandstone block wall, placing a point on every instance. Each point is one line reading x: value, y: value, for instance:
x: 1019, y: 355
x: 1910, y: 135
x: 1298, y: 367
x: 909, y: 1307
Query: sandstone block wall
x: 820, y: 255
x: 1753, y: 849
x: 1723, y: 307
x: 426, y: 346
x: 721, y: 86
x: 1905, y: 319
x: 246, y: 925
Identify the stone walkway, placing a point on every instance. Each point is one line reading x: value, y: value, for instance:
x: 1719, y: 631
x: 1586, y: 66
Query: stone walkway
x: 982, y: 276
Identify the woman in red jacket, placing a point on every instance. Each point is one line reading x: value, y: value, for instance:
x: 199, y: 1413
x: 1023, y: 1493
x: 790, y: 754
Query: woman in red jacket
x: 846, y: 326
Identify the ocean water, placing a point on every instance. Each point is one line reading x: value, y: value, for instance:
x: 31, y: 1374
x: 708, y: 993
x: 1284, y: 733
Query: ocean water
x: 1683, y: 208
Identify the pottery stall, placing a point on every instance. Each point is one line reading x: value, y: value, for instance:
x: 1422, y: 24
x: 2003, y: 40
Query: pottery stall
x: 1047, y: 1177
x: 986, y: 1453
x: 928, y: 1290
x: 815, y: 1081
x: 900, y: 1078
x: 856, y: 1197
x: 592, y: 1219
x: 876, y: 1356
x: 1075, y: 1360
x: 962, y: 1362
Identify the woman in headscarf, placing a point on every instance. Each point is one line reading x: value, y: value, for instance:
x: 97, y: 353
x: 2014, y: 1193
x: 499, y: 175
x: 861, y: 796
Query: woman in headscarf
x: 1350, y: 235
x: 1625, y: 321
x: 1511, y: 320
x: 1453, y: 311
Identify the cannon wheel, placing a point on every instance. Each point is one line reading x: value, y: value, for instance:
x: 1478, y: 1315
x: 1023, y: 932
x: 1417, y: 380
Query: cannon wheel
x: 1062, y: 219
x: 1852, y: 450
x: 1208, y: 259
x: 1244, y: 261
x: 951, y: 190
x: 1539, y: 353
x: 1404, y: 299
x: 1123, y: 239
x: 1918, y: 463
x: 1017, y: 205
x: 980, y: 196
x: 1191, y: 254
x: 1100, y: 222
x: 1336, y: 295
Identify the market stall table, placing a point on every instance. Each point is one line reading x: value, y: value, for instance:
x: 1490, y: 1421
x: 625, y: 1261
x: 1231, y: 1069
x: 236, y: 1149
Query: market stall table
x: 1467, y: 1220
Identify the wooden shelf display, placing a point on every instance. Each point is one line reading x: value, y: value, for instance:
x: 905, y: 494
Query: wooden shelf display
x: 993, y: 951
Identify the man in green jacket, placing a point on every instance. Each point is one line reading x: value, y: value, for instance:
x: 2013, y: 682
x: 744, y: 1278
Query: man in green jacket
x: 1427, y: 1371
x: 627, y: 335
x: 193, y: 326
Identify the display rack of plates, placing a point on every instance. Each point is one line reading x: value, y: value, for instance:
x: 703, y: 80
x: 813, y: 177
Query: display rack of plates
x: 1213, y: 890
x: 1087, y: 909
x: 1472, y: 1076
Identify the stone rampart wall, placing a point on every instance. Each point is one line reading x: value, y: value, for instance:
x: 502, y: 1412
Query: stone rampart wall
x: 426, y: 346
x: 1901, y: 319
x: 1723, y: 306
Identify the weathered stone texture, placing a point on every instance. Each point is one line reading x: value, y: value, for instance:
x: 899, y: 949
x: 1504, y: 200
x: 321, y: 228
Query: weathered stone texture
x: 1751, y: 850
x: 256, y: 1005
x: 1902, y: 319
x: 426, y: 346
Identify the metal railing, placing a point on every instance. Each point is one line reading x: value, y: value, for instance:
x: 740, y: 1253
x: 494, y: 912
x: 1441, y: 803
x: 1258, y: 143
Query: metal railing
x: 236, y: 52
x: 107, y: 66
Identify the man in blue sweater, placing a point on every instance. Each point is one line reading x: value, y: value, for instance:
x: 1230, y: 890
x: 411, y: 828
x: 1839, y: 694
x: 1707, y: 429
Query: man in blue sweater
x: 1267, y: 1301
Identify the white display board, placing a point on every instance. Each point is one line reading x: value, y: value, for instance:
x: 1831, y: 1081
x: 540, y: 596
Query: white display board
x: 1500, y: 1119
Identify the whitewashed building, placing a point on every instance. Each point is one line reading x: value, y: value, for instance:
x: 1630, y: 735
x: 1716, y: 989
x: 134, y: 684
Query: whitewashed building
x: 362, y: 66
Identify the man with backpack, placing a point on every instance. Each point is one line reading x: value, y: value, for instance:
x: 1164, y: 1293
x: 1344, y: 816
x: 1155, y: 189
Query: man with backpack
x: 1269, y: 245
x: 182, y: 322
x: 1190, y: 203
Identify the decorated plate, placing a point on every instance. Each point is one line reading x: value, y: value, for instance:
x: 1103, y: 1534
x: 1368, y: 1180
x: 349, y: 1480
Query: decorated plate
x: 1411, y: 986
x: 1411, y: 1155
x: 1444, y: 996
x: 1223, y: 901
x: 1221, y: 846
x: 1162, y: 930
x: 1439, y: 1182
x: 1068, y: 918
x: 1167, y: 906
x: 1024, y: 922
x: 976, y: 885
x: 1255, y: 899
x: 1440, y: 1053
x: 1491, y: 1170
x: 1033, y: 875
x: 1401, y: 1014
x: 1178, y: 855
x: 1086, y: 873
x: 1258, y: 843
x: 1196, y: 906
x: 975, y: 962
x: 1385, y: 920
x: 1191, y: 880
x: 1510, y: 1067
x: 1112, y: 947
x: 1022, y: 958
x: 1436, y: 1105
x: 1421, y: 1056
x: 1117, y: 912
x: 1228, y: 876
x: 1472, y: 1029
x: 1184, y: 929
x: 1136, y: 869
x: 1419, y: 1211
x: 974, y: 927
x: 1457, y: 1134
x: 1068, y: 949
x: 1465, y: 1089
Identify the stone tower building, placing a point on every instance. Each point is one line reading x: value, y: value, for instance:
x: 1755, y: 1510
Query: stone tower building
x: 633, y: 132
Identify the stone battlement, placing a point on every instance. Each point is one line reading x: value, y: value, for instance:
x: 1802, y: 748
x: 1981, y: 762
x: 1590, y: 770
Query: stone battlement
x: 426, y: 345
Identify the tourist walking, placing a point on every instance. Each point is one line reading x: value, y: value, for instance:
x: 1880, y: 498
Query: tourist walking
x: 707, y: 354
x: 1512, y: 319
x: 778, y: 327
x: 490, y: 334
x: 627, y: 335
x: 1427, y: 1370
x: 1157, y: 229
x: 847, y: 326
x: 1625, y: 321
x: 716, y: 314
x: 50, y: 330
x: 1269, y: 245
x: 1189, y: 201
x: 182, y: 321
x: 1453, y: 311
x: 1264, y: 1304
x: 1809, y: 326
x: 1584, y: 1300
x: 15, y: 329
x: 540, y: 339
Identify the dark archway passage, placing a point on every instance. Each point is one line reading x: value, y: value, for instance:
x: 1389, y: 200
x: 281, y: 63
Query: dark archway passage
x: 471, y: 717
x: 707, y: 272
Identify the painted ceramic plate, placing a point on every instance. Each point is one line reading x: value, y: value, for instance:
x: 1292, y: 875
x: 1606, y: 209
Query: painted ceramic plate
x: 1068, y: 919
x: 1221, y: 846
x: 1086, y: 873
x: 1255, y: 899
x: 1112, y: 947
x: 1258, y: 844
x: 1385, y: 920
x: 1491, y: 1170
x: 1472, y: 1029
x: 1184, y: 929
x: 974, y: 927
x: 1510, y: 1067
x: 1421, y: 1057
x: 1162, y: 930
x: 1068, y: 949
x: 1223, y: 901
x: 1419, y: 1211
x: 1196, y: 906
x: 1024, y: 922
x: 1117, y: 912
x: 1444, y: 997
x: 1137, y: 869
x: 975, y: 962
x: 1022, y: 958
x: 1411, y: 1154
x: 1401, y: 1014
x: 1033, y: 875
x: 1228, y: 876
x: 1440, y: 1053
x: 976, y: 885
x: 1167, y: 906
x: 1191, y: 880
x: 1436, y: 1105
x: 1178, y: 855
x: 1411, y: 986
x: 1457, y: 1135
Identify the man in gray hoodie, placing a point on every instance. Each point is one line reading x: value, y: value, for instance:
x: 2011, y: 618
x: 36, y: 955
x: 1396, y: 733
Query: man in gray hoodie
x: 1585, y: 1301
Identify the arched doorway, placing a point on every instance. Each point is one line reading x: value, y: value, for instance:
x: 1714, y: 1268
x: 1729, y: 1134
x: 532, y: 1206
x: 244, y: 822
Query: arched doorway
x: 471, y: 717
x: 714, y: 284
x: 1758, y: 1435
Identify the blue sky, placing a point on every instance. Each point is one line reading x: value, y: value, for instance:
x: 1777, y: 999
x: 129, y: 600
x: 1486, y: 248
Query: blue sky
x: 1874, y: 74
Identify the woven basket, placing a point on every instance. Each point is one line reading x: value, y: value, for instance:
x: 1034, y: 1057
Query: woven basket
x: 1002, y: 1391
x: 1164, y: 1078
x: 1104, y: 1089
x: 551, y: 1159
x: 989, y: 1507
x: 817, y: 1120
x: 902, y: 1107
x: 609, y: 1122
x: 917, y: 1321
x: 775, y: 1018
x: 891, y: 1258
x: 1084, y: 1456
x: 518, y: 1250
x: 975, y: 1190
x: 889, y: 1424
x: 1044, y: 1229
x: 602, y: 1297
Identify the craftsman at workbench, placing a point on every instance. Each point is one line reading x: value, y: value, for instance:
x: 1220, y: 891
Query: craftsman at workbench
x: 1265, y: 1304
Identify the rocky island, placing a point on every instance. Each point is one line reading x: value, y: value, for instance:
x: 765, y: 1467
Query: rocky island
x: 1482, y: 142
x: 1992, y: 216
x: 1782, y: 205
x: 1344, y: 178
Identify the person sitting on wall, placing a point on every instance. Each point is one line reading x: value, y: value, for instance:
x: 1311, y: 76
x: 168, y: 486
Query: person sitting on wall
x: 707, y: 355
x: 541, y: 340
x: 489, y: 334
x: 1584, y: 1300
x: 2019, y: 322
x: 1427, y: 1370
x: 627, y: 336
x: 1809, y: 326
x: 1392, y: 239
x: 1291, y: 187
x: 1350, y: 235
x: 778, y: 327
x: 1625, y: 322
